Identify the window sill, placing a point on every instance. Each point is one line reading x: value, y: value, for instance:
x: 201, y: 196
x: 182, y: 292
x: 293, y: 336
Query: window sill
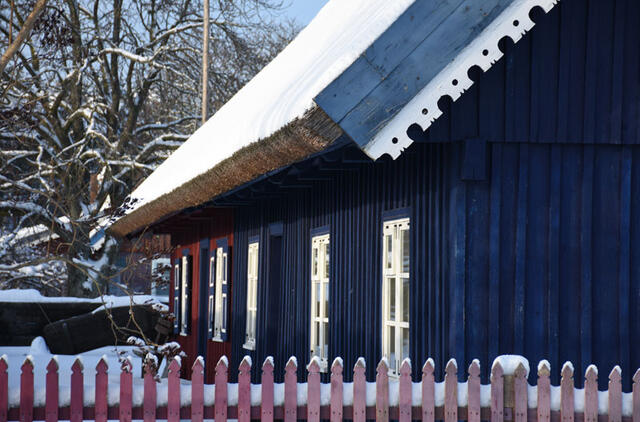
x: 249, y: 345
x: 217, y: 339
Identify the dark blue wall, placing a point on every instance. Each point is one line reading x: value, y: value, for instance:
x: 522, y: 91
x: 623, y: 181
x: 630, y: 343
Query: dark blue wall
x: 524, y: 197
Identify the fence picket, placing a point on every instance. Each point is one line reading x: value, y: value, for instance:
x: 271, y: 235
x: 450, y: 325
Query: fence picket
x: 197, y: 390
x: 291, y: 390
x: 244, y: 390
x: 150, y: 396
x: 635, y: 412
x: 615, y: 395
x: 267, y: 390
x: 51, y: 403
x: 566, y: 393
x: 173, y: 390
x: 497, y: 393
x: 336, y: 390
x: 126, y: 389
x: 544, y: 392
x: 451, y: 392
x: 382, y: 391
x: 221, y: 399
x: 473, y: 392
x: 4, y: 389
x: 359, y: 391
x: 428, y: 392
x: 102, y: 388
x: 313, y: 390
x: 591, y: 394
x: 77, y: 391
x: 520, y: 392
x: 404, y: 392
x: 26, y: 391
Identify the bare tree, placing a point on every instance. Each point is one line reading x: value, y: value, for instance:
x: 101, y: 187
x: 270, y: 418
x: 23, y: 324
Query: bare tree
x: 93, y: 101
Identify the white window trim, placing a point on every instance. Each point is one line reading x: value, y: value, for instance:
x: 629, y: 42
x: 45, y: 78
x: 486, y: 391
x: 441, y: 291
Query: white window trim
x: 253, y: 258
x: 221, y: 262
x: 393, y: 228
x: 321, y: 276
x: 184, y: 318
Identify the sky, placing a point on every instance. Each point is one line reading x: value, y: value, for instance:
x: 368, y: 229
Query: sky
x: 304, y: 10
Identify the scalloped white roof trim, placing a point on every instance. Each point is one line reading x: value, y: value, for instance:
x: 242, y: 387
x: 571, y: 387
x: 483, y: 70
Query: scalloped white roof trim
x: 483, y: 51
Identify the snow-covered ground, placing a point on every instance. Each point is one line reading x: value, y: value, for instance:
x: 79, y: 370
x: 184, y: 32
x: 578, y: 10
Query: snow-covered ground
x: 33, y: 296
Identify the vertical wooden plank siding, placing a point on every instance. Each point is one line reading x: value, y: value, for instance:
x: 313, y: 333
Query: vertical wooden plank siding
x: 221, y: 400
x: 337, y: 392
x: 150, y: 395
x: 591, y: 395
x: 382, y: 391
x: 473, y: 392
x: 244, y: 390
x: 404, y: 392
x: 520, y: 392
x: 102, y: 388
x: 26, y: 391
x: 77, y: 391
x: 566, y: 394
x: 266, y: 410
x: 52, y: 395
x: 197, y: 390
x: 359, y: 391
x: 313, y: 391
x: 497, y: 393
x: 291, y: 391
x: 615, y: 395
x: 451, y: 392
x: 126, y: 391
x: 544, y: 392
x: 173, y: 391
x: 428, y: 392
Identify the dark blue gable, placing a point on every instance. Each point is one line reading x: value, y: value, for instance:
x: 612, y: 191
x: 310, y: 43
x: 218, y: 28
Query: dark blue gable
x: 523, y: 198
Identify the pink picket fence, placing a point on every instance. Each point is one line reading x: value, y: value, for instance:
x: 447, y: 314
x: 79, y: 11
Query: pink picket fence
x: 508, y: 397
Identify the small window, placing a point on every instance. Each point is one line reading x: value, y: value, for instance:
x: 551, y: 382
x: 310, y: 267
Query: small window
x: 185, y: 295
x: 395, y: 293
x: 319, y: 338
x: 217, y: 327
x: 252, y: 296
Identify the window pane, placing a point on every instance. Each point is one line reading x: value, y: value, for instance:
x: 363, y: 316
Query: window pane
x: 326, y: 300
x: 317, y: 306
x: 404, y: 234
x: 405, y: 343
x: 392, y: 298
x: 326, y: 260
x: 325, y: 348
x: 314, y: 270
x: 405, y: 299
x: 392, y: 348
x: 389, y: 248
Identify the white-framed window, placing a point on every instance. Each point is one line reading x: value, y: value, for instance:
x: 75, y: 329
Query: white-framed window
x: 184, y: 295
x: 220, y: 323
x: 252, y: 296
x: 395, y: 292
x: 319, y: 337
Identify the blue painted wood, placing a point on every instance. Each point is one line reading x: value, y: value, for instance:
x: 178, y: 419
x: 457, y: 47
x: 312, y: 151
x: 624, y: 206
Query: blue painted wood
x: 203, y: 331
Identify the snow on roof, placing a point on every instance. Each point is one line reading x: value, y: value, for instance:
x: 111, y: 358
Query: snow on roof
x: 281, y: 93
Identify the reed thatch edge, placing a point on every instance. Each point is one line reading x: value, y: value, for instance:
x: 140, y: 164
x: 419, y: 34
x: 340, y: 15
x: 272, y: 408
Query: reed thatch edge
x: 297, y: 140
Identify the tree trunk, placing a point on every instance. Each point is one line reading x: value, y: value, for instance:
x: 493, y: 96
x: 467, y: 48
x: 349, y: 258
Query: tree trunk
x: 23, y: 34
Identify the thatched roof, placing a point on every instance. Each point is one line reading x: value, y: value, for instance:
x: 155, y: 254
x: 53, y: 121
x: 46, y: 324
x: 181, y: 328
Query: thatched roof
x: 299, y: 139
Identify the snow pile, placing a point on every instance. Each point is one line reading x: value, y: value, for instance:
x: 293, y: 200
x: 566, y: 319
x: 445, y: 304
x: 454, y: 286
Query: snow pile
x: 34, y: 296
x: 282, y: 92
x: 509, y: 363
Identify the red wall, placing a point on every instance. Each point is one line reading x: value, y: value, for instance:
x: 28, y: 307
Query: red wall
x: 186, y: 233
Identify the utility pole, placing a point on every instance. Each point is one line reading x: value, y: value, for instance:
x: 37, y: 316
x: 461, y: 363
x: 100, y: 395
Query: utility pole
x: 205, y: 61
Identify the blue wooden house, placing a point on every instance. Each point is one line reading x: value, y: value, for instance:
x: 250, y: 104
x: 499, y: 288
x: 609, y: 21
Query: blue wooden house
x: 466, y: 184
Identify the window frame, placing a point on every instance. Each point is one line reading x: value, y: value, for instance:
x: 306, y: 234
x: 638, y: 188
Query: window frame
x: 395, y: 268
x: 253, y: 268
x: 320, y: 274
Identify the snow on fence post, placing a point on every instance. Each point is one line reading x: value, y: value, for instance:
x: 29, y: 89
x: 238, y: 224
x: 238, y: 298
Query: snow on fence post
x: 428, y: 392
x: 473, y: 392
x: 4, y: 389
x: 497, y: 393
x: 51, y: 390
x: 336, y: 390
x: 173, y: 390
x: 566, y: 393
x: 221, y: 397
x: 291, y: 390
x: 126, y: 387
x: 313, y: 390
x: 197, y: 390
x: 266, y: 411
x: 615, y: 395
x: 544, y: 392
x: 635, y: 398
x: 359, y: 391
x: 404, y: 392
x: 451, y: 392
x: 150, y: 397
x: 102, y: 386
x: 382, y: 391
x: 77, y: 391
x: 244, y: 390
x: 590, y: 394
x: 26, y: 390
x: 520, y: 393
